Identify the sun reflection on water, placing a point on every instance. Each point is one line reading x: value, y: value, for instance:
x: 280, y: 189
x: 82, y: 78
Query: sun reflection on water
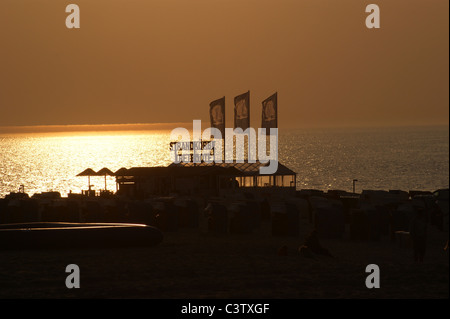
x: 398, y: 158
x: 51, y: 161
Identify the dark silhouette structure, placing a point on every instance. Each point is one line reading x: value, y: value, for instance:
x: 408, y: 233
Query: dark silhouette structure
x: 313, y: 244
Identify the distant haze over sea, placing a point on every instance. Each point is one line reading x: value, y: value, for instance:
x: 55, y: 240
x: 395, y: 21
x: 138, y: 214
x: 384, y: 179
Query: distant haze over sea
x: 90, y: 128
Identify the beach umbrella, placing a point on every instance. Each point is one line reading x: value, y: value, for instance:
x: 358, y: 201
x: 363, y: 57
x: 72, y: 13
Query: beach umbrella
x: 88, y: 172
x: 106, y: 172
x: 121, y: 172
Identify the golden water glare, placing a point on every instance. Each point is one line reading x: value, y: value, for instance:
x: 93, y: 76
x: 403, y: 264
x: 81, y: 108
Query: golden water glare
x: 50, y: 162
x: 410, y: 158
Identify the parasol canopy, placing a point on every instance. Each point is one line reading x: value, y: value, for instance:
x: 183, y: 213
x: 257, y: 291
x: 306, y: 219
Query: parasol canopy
x: 88, y: 172
x: 121, y: 172
x: 105, y: 172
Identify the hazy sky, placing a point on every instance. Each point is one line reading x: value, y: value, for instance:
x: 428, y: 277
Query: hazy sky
x: 150, y: 61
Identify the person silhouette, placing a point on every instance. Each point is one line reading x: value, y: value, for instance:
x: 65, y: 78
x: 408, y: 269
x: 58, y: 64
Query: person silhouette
x: 313, y: 244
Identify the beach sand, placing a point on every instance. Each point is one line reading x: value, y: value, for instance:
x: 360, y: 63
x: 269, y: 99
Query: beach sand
x: 195, y: 264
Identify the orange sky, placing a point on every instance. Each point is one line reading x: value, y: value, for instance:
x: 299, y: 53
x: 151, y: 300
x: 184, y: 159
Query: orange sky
x: 156, y: 61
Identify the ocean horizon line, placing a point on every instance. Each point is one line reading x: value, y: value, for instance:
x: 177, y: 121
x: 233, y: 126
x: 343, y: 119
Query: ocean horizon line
x: 69, y: 128
x: 130, y: 127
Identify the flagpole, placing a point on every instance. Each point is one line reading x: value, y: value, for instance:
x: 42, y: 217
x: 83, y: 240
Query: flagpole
x: 248, y: 137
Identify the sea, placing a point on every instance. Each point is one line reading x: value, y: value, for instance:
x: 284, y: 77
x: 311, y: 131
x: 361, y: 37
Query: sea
x: 383, y: 158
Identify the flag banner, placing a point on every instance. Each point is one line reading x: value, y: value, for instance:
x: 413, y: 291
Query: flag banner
x: 217, y: 115
x: 242, y: 111
x: 270, y: 113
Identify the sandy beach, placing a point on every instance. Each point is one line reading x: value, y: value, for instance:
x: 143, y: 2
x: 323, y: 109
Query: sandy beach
x: 223, y: 124
x: 195, y: 264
